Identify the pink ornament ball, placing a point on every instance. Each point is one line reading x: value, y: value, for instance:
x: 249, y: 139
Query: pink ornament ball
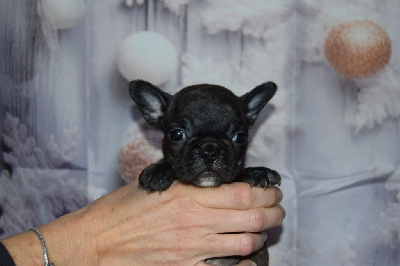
x: 135, y: 156
x: 358, y: 49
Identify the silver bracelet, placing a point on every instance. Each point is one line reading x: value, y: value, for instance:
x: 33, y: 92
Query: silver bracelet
x: 45, y: 255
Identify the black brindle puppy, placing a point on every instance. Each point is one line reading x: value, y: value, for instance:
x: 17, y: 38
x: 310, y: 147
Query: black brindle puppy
x: 206, y: 130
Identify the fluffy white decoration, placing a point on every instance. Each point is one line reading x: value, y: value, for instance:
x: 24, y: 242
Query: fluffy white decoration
x: 255, y: 18
x: 63, y: 14
x: 149, y: 56
x: 37, y: 190
x: 312, y: 21
x: 378, y: 99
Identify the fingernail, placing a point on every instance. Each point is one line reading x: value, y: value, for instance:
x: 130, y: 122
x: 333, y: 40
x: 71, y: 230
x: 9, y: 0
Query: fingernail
x: 264, y: 235
x: 279, y: 196
x: 253, y: 263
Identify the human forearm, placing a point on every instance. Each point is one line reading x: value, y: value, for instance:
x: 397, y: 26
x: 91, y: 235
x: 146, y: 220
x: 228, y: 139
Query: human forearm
x: 66, y: 240
x: 181, y: 226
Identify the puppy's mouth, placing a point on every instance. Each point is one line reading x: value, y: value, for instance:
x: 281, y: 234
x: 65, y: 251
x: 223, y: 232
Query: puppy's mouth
x: 207, y: 179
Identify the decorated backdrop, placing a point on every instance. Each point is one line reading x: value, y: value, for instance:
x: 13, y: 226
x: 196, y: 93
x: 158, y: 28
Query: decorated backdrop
x: 70, y: 132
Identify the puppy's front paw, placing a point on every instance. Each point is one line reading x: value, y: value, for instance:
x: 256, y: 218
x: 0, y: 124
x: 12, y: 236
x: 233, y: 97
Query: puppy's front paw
x: 157, y: 177
x: 261, y: 177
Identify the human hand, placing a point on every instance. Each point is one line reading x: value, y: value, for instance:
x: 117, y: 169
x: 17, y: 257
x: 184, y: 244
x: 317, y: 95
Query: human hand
x: 181, y: 226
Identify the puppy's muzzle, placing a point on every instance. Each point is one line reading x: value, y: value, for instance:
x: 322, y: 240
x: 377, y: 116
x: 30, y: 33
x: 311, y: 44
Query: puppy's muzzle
x: 208, y: 150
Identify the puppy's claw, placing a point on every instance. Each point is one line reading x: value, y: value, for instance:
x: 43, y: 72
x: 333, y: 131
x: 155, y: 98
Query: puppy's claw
x: 274, y: 178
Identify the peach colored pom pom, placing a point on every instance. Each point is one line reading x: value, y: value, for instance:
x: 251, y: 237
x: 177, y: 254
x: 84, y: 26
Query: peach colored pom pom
x: 136, y: 155
x: 358, y: 49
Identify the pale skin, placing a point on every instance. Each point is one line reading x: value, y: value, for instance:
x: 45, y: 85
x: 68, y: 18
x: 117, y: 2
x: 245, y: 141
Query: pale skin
x: 180, y: 226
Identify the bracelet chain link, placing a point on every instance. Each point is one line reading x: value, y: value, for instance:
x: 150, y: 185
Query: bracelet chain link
x: 45, y: 254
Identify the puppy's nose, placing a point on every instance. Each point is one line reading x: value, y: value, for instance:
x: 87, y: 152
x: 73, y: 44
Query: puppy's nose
x: 208, y: 148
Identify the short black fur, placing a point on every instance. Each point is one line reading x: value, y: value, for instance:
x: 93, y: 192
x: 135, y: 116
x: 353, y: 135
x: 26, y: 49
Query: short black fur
x: 205, y: 139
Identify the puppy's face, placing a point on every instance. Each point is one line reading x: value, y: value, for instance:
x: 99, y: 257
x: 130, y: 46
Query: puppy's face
x: 205, y: 128
x: 205, y: 135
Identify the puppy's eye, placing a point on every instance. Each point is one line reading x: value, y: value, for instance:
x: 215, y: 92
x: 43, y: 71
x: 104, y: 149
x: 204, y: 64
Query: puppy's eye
x: 240, y: 138
x: 176, y: 135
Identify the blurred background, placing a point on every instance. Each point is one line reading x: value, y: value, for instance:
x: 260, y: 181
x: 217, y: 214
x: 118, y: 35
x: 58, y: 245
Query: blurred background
x: 71, y: 133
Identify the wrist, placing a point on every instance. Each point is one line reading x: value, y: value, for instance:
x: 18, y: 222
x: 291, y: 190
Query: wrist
x: 25, y: 249
x: 46, y: 259
x: 68, y: 240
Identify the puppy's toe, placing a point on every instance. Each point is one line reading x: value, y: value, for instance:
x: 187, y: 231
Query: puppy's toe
x: 274, y: 178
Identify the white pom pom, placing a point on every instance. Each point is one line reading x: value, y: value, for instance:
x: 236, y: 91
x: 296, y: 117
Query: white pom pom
x: 64, y: 14
x: 148, y: 56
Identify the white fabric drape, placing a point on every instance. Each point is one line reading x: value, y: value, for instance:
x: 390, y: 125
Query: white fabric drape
x: 66, y: 114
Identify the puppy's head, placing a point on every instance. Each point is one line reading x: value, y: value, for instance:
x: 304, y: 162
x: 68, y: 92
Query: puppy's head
x: 205, y: 127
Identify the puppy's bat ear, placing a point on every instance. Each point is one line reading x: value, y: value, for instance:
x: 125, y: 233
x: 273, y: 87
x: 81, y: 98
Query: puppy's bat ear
x: 151, y: 101
x: 255, y: 100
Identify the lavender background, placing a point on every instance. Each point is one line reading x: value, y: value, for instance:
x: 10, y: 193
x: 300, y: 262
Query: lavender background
x: 66, y: 114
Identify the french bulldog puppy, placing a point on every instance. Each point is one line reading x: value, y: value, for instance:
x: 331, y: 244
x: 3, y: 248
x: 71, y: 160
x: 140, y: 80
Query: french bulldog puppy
x: 205, y: 139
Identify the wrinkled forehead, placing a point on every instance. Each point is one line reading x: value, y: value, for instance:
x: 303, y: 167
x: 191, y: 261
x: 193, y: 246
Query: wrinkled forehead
x: 206, y: 110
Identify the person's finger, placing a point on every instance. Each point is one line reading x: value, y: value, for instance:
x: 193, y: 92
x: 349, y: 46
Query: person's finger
x: 223, y: 245
x: 237, y: 196
x: 254, y: 220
